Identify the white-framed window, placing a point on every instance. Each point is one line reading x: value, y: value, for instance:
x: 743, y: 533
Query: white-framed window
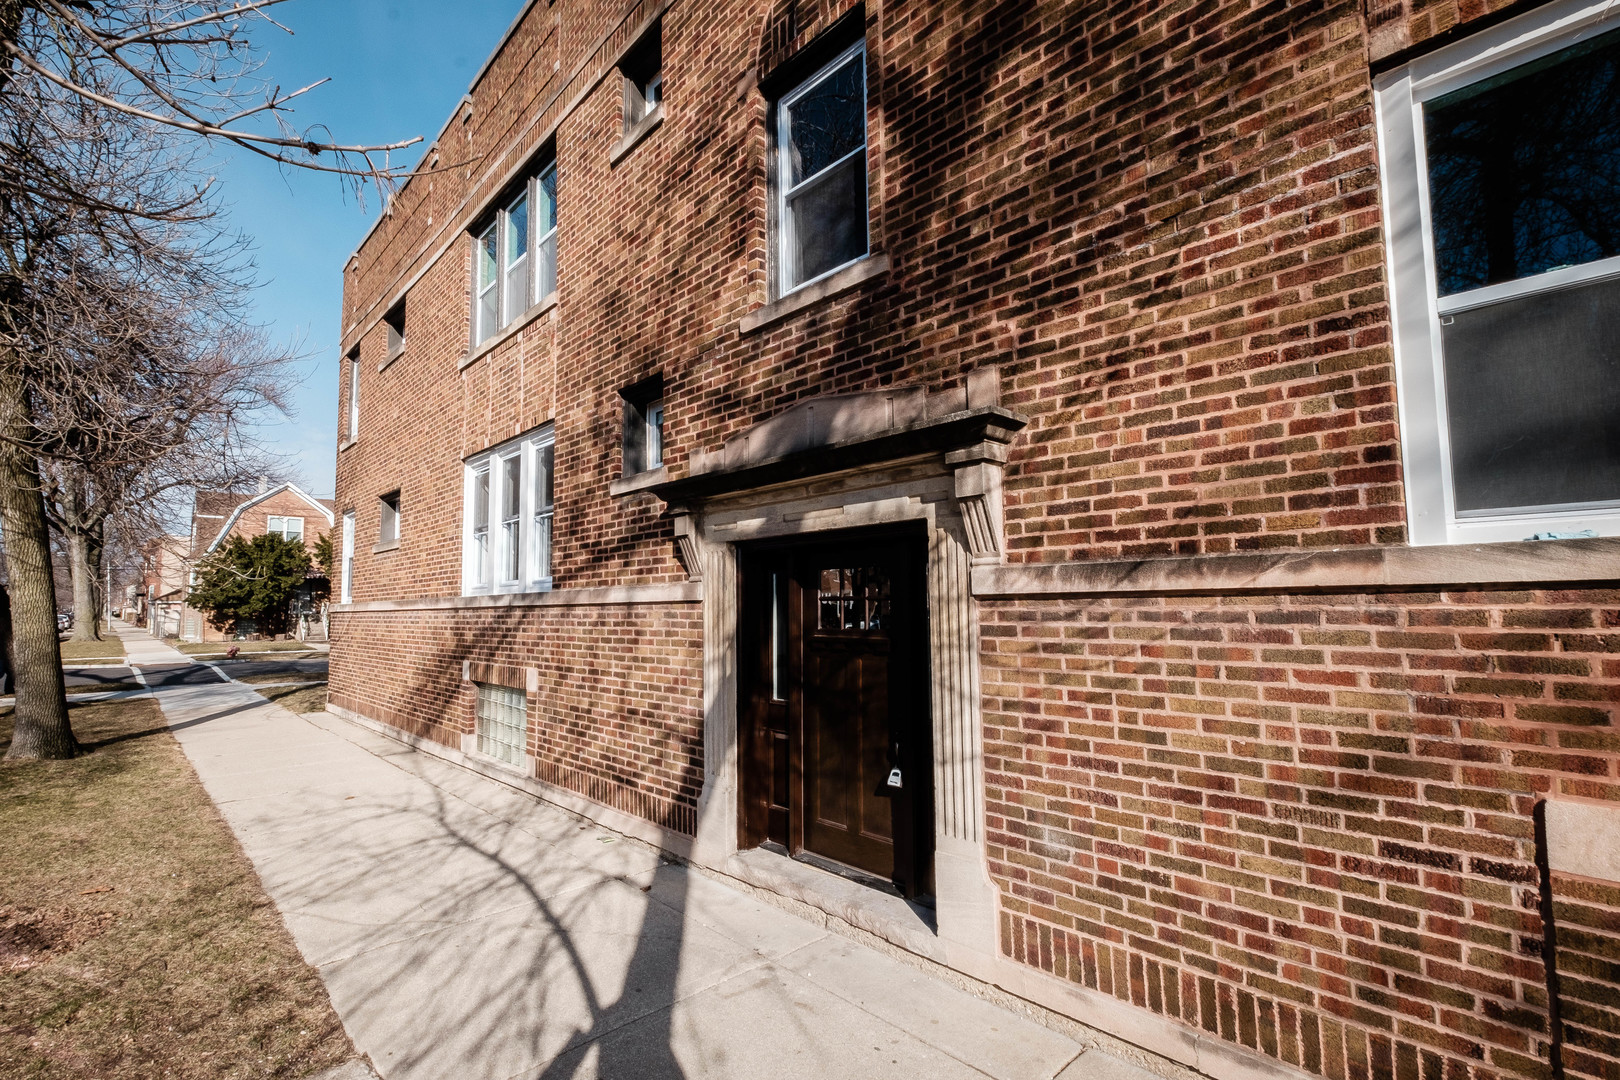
x: 388, y: 507
x: 655, y: 434
x: 643, y: 71
x: 515, y: 256
x: 354, y: 394
x: 821, y: 172
x: 346, y: 592
x: 502, y: 722
x: 506, y: 539
x: 1500, y: 156
x: 288, y: 528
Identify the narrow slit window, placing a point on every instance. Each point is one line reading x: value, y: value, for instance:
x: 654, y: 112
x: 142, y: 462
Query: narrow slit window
x: 545, y: 231
x: 511, y: 469
x: 544, y: 456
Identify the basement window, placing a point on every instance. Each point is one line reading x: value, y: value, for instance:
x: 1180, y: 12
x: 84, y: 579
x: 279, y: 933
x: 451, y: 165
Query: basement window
x: 821, y: 207
x: 506, y: 541
x: 502, y: 721
x: 1501, y: 159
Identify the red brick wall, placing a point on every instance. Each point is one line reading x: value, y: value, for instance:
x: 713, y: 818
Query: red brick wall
x: 618, y: 715
x: 1304, y: 823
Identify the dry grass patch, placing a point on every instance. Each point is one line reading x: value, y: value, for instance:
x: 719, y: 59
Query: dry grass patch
x: 135, y: 938
x: 300, y: 699
x: 219, y: 648
x: 110, y: 649
x: 102, y: 688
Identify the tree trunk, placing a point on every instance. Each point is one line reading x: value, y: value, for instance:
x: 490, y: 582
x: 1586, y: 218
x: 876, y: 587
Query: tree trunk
x: 42, y: 729
x: 84, y: 562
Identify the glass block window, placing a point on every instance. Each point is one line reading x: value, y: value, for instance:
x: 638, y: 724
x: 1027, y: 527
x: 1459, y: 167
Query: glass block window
x: 503, y: 723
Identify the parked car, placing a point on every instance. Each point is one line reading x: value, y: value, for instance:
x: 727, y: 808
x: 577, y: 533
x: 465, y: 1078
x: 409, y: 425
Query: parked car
x: 64, y: 620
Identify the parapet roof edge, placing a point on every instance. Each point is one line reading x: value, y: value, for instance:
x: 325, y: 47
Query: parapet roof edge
x: 482, y: 70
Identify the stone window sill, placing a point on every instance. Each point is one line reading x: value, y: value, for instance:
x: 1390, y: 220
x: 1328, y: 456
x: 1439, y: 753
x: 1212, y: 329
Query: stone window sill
x: 390, y: 359
x: 641, y: 481
x: 868, y: 268
x: 387, y: 545
x: 345, y: 444
x: 518, y: 324
x: 632, y: 138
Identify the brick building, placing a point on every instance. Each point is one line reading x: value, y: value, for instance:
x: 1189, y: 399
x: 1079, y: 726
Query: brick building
x: 219, y: 516
x: 1045, y: 483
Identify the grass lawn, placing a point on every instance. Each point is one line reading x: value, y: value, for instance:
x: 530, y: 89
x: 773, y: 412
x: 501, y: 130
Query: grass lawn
x: 110, y: 649
x: 300, y: 699
x: 212, y: 648
x: 102, y: 688
x: 135, y: 938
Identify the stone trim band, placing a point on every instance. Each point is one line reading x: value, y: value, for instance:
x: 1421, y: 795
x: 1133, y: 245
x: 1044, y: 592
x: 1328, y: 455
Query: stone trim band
x: 1544, y: 562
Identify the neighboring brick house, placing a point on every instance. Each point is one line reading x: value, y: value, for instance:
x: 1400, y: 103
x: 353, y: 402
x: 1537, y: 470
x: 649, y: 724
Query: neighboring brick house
x: 163, y: 584
x: 1064, y: 463
x: 217, y: 516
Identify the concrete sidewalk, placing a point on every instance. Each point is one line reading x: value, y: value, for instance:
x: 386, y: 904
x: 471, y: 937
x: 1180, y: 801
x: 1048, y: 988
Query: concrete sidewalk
x: 142, y: 649
x: 466, y: 930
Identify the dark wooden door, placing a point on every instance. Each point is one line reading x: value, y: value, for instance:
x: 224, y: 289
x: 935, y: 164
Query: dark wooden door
x: 836, y: 758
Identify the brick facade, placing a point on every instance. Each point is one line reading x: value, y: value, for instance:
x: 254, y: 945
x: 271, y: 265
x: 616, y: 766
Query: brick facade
x: 1299, y: 821
x: 1305, y: 823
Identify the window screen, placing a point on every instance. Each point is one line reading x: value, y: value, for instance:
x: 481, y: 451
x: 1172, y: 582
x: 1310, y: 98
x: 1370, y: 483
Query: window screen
x: 502, y: 723
x: 1533, y: 399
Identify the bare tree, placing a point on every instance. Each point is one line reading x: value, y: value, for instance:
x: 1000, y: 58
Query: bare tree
x: 103, y: 108
x: 178, y: 420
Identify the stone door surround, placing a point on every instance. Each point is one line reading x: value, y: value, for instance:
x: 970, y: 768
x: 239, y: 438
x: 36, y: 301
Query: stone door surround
x: 842, y: 462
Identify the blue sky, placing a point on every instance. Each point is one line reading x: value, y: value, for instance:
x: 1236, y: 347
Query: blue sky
x: 398, y: 68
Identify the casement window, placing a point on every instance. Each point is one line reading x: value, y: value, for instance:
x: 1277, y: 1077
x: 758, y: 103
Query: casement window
x: 502, y: 722
x: 515, y: 257
x: 506, y: 540
x: 1501, y: 167
x: 821, y: 209
x: 346, y: 593
x: 288, y: 528
x: 643, y: 72
x: 643, y: 425
x: 395, y: 321
x: 388, y: 518
x: 354, y: 393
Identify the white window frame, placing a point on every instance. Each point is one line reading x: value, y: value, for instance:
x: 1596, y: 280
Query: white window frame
x: 539, y: 254
x: 1417, y: 308
x: 534, y: 564
x: 354, y: 397
x: 346, y: 593
x: 385, y: 510
x: 785, y: 188
x: 277, y: 524
x: 654, y: 436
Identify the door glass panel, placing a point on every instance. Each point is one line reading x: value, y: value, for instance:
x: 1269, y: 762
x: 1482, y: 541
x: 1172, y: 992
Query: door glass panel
x: 853, y: 600
x: 778, y: 637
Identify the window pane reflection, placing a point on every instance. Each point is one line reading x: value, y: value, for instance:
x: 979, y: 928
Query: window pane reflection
x: 1524, y: 169
x: 853, y: 599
